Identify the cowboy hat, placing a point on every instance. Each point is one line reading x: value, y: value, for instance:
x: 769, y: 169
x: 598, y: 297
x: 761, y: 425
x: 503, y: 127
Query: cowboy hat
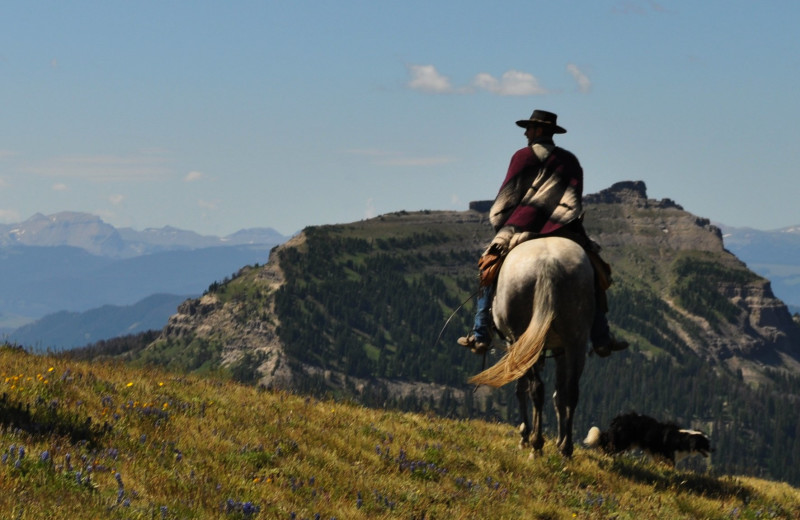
x: 544, y: 118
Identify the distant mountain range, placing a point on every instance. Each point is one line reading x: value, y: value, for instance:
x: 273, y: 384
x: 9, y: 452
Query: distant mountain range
x: 73, y: 262
x: 65, y: 329
x: 90, y: 233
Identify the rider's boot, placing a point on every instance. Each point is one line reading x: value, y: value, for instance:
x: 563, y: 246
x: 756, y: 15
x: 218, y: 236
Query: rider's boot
x: 603, y: 343
x: 480, y: 338
x: 477, y: 341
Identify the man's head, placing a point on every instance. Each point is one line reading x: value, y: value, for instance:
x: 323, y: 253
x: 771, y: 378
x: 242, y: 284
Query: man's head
x: 544, y: 120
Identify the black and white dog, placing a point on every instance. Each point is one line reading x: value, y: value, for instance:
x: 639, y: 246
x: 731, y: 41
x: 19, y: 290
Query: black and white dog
x: 659, y: 440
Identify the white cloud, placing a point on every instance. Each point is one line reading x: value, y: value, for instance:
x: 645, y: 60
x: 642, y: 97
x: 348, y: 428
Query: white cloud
x: 583, y: 81
x: 6, y: 154
x: 511, y: 83
x: 59, y: 186
x: 427, y: 79
x: 116, y: 199
x: 193, y: 176
x: 99, y: 168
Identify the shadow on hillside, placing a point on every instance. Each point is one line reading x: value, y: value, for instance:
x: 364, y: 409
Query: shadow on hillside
x: 697, y: 483
x: 47, y: 420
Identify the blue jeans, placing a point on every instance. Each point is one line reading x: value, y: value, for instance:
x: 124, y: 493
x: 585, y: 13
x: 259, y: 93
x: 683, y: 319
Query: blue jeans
x: 483, y: 315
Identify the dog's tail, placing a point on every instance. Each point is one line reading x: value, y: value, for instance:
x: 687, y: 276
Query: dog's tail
x: 594, y: 439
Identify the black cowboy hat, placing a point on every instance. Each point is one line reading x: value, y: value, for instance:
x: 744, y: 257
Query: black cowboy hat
x: 544, y: 118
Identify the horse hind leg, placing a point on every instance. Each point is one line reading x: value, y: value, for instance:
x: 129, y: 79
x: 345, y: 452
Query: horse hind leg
x: 565, y: 399
x: 523, y: 392
x: 526, y: 396
x: 536, y: 439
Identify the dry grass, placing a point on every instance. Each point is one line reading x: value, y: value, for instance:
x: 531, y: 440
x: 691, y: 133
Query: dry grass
x: 160, y: 445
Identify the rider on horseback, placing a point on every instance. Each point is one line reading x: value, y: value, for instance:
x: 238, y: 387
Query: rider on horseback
x: 540, y: 196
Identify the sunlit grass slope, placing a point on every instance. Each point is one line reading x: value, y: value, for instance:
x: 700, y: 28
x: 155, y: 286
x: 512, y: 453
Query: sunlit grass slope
x: 93, y: 440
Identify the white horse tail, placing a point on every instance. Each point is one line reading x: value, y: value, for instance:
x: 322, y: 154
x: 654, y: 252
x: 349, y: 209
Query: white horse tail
x: 592, y: 439
x: 524, y: 352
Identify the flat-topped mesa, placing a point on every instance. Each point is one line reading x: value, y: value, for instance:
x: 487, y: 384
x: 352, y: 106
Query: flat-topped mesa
x: 626, y: 192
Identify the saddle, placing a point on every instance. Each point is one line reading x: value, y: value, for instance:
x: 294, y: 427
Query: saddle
x: 488, y: 266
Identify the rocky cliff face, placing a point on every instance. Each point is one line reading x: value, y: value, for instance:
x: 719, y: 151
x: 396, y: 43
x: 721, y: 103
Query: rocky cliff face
x: 645, y: 238
x: 238, y: 326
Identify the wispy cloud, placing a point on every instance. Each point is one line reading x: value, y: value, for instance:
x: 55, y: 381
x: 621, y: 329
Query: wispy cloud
x: 208, y: 204
x: 7, y: 154
x: 9, y: 215
x: 511, y: 83
x: 116, y: 199
x: 193, y: 176
x: 100, y: 168
x: 426, y: 78
x: 59, y: 186
x: 389, y: 158
x: 584, y: 84
x: 369, y: 210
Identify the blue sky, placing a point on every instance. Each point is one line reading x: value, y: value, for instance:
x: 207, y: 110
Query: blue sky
x: 218, y: 116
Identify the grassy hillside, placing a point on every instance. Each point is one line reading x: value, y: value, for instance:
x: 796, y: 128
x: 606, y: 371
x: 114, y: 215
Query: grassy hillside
x: 101, y: 440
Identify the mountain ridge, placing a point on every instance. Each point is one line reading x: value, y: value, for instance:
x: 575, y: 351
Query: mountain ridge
x: 65, y: 329
x: 90, y: 233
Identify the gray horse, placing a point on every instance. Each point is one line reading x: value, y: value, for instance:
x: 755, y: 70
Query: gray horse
x: 544, y: 300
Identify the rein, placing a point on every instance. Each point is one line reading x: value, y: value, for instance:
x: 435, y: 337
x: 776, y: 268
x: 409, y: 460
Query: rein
x: 446, y: 323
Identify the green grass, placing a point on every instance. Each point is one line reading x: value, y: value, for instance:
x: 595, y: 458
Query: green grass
x: 130, y: 443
